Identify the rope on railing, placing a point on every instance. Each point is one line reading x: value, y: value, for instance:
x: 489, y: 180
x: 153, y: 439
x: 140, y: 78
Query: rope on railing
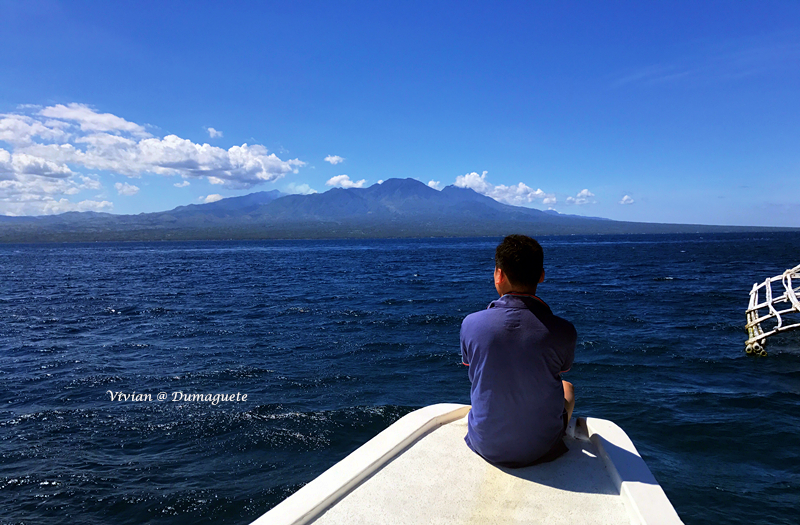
x: 775, y: 320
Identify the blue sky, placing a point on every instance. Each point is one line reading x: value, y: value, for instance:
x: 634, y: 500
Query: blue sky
x: 680, y: 112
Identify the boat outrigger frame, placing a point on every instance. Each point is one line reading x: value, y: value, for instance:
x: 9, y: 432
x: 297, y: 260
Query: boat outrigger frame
x: 778, y: 320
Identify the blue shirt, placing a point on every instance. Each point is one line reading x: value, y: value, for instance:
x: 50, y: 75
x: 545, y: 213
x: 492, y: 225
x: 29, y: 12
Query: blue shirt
x: 516, y: 350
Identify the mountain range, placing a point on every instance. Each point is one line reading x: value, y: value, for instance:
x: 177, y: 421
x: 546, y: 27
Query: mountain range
x: 394, y: 208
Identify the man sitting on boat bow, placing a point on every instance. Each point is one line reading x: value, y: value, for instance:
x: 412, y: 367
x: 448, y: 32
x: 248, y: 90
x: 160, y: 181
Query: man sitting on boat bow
x: 516, y: 351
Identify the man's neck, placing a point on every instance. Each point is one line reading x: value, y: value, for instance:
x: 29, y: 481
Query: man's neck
x: 532, y: 293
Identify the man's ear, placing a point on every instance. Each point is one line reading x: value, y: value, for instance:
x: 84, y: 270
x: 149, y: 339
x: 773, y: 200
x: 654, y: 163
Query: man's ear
x: 541, y: 279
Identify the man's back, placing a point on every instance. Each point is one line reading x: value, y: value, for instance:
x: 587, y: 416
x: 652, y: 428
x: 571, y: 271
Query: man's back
x: 516, y: 351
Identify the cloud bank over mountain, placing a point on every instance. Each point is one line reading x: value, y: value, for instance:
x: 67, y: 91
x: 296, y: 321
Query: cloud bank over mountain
x: 516, y: 195
x: 49, y: 155
x: 396, y: 208
x: 343, y: 181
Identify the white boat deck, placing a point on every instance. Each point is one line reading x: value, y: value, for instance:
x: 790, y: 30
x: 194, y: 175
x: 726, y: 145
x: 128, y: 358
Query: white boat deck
x: 419, y: 470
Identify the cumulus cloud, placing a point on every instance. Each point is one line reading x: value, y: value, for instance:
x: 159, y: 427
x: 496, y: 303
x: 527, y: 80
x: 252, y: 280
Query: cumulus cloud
x: 214, y: 197
x: 239, y: 166
x: 63, y: 205
x: 301, y: 189
x: 89, y: 120
x: 627, y: 199
x: 33, y: 187
x: 29, y: 186
x: 88, y: 183
x: 181, y: 184
x: 24, y: 164
x: 61, y: 141
x: 475, y: 182
x: 345, y: 182
x: 214, y: 133
x: 123, y: 188
x: 520, y: 194
x: 516, y: 195
x: 584, y: 197
x: 334, y: 159
x: 22, y: 129
x: 37, y: 204
x: 435, y: 184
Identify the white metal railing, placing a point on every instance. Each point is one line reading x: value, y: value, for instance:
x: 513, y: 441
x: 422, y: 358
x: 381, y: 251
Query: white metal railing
x: 777, y: 317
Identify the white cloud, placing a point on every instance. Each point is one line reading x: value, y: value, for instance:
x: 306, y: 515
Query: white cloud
x: 47, y: 205
x: 214, y: 197
x: 521, y: 194
x: 380, y: 181
x: 301, y: 189
x: 240, y: 166
x: 59, y: 141
x: 334, y: 159
x: 627, y: 199
x: 14, y: 165
x: 123, y: 188
x: 6, y: 165
x: 52, y: 148
x: 30, y: 165
x: 345, y: 182
x: 33, y: 187
x: 90, y: 120
x: 181, y: 184
x: 88, y: 183
x: 435, y: 184
x: 63, y: 205
x: 475, y: 182
x: 213, y: 133
x: 516, y: 195
x: 584, y: 197
x: 28, y: 185
x: 21, y: 129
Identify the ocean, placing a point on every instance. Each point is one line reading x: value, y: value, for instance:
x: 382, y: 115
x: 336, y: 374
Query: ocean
x: 332, y: 341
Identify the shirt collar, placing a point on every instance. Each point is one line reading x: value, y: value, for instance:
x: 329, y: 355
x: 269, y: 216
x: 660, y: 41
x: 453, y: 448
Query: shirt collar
x: 517, y: 300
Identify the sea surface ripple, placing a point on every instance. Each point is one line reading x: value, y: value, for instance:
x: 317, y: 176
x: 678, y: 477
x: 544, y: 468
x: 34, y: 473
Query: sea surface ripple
x: 332, y: 341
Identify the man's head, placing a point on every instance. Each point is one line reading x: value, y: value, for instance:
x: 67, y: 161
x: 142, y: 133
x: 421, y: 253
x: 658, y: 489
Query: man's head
x: 518, y: 264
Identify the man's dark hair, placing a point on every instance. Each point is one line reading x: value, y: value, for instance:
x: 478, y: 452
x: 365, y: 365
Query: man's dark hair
x: 521, y: 259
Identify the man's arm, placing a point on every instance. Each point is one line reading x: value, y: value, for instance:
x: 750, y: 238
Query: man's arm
x: 569, y: 353
x: 569, y: 390
x: 569, y: 398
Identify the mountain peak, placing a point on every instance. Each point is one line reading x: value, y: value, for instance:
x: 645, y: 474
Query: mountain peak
x: 401, y: 187
x: 400, y: 183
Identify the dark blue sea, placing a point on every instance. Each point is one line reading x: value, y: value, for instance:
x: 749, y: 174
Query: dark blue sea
x: 332, y: 341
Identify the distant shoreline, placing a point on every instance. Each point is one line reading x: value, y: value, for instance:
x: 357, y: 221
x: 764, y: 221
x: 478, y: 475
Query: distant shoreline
x: 83, y: 238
